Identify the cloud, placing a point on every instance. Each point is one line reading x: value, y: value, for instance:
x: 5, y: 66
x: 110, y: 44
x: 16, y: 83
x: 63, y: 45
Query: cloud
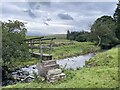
x: 65, y: 16
x: 30, y: 13
x: 60, y: 17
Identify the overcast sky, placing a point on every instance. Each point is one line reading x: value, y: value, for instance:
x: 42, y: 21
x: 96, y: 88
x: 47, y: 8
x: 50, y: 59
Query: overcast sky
x: 42, y: 18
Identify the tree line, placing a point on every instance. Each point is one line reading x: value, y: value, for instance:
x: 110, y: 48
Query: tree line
x: 105, y: 31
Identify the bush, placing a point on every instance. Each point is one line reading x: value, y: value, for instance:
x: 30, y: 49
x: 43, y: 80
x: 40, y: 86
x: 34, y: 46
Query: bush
x: 13, y: 46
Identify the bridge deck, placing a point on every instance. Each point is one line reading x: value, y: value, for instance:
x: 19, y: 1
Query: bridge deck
x: 43, y: 56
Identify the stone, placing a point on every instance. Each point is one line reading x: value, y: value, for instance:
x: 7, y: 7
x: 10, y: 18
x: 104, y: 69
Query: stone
x: 27, y: 66
x: 54, y: 71
x: 52, y: 80
x: 55, y: 78
x: 34, y: 67
x: 41, y: 70
x: 62, y: 75
x: 25, y: 73
x: 28, y: 79
x: 14, y: 73
x: 48, y: 62
x: 52, y: 66
x: 41, y: 78
x: 15, y: 77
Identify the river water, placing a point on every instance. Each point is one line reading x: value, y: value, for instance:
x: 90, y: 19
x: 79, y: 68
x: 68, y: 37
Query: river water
x: 74, y: 62
x: 68, y: 63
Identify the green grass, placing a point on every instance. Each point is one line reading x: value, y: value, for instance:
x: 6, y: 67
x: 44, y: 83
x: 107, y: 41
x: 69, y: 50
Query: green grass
x: 28, y: 37
x: 78, y: 48
x: 102, y: 75
x: 109, y: 58
x: 73, y: 50
x: 58, y: 36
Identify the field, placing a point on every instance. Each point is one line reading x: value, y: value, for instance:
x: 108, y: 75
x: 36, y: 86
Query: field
x: 98, y: 73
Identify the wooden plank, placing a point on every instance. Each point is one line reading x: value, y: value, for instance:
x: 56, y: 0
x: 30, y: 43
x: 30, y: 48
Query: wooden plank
x: 44, y: 56
x: 40, y: 54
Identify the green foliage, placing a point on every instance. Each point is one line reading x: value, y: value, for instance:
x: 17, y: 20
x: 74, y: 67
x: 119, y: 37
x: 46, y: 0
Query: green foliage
x: 117, y: 19
x: 13, y: 45
x: 78, y: 36
x: 0, y: 45
x: 103, y: 31
x: 68, y: 34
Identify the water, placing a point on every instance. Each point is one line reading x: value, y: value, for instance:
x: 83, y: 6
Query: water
x: 68, y: 63
x: 74, y: 62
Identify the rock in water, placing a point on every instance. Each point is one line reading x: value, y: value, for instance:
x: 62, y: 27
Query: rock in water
x: 28, y: 79
x: 25, y: 73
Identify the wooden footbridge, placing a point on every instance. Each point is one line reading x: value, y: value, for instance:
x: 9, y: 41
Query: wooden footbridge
x: 47, y: 68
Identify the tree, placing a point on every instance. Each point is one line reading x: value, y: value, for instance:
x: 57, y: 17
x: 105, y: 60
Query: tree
x: 82, y: 36
x: 103, y: 31
x: 117, y: 19
x: 68, y: 34
x: 13, y: 46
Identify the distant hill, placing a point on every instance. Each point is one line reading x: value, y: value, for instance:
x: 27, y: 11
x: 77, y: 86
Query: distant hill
x: 58, y: 36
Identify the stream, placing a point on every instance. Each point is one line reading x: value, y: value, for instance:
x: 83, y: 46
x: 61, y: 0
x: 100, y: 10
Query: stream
x: 26, y: 74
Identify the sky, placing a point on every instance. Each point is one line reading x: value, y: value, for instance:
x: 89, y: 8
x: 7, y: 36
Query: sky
x: 45, y: 18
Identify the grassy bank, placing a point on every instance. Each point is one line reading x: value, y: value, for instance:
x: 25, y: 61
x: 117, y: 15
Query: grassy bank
x: 78, y: 48
x: 102, y: 74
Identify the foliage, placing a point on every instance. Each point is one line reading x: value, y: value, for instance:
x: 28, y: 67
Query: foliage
x: 117, y: 19
x: 103, y: 31
x: 0, y: 45
x: 78, y: 36
x: 68, y: 34
x: 14, y: 47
